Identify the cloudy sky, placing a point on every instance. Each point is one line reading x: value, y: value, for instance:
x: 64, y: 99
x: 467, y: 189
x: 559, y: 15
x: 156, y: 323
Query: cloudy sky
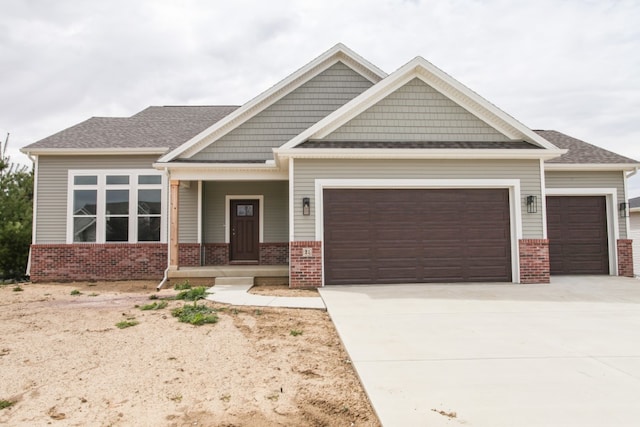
x: 569, y: 65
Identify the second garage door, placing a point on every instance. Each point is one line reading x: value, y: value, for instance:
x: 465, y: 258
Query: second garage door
x: 416, y: 235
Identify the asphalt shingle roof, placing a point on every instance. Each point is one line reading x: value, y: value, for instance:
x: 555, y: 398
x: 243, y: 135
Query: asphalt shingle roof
x: 418, y: 144
x: 166, y: 127
x: 580, y: 151
x: 634, y: 203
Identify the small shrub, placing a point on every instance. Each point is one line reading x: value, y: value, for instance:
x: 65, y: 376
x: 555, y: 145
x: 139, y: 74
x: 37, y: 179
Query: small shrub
x: 93, y: 294
x: 195, y: 314
x: 194, y: 294
x: 182, y: 286
x: 6, y: 404
x: 18, y: 289
x: 76, y: 292
x: 153, y: 296
x: 155, y: 306
x: 295, y: 332
x: 126, y: 324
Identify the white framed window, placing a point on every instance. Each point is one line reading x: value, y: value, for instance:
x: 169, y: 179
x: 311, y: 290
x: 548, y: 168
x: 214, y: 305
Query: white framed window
x: 107, y: 206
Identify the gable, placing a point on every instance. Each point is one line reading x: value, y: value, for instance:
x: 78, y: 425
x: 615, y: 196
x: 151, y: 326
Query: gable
x: 254, y: 139
x: 416, y: 112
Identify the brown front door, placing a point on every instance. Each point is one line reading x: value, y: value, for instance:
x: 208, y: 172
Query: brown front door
x: 245, y: 230
x: 578, y: 238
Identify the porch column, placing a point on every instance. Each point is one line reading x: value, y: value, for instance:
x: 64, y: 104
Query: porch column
x: 173, y: 226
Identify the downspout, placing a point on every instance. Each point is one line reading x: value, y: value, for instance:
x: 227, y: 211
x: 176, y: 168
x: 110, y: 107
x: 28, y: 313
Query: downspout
x: 633, y: 172
x: 165, y: 277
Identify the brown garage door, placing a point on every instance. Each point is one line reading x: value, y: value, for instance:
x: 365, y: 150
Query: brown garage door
x: 577, y: 229
x: 416, y: 236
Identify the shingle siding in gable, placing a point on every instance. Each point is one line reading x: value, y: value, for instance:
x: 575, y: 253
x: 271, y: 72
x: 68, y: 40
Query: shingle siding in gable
x: 416, y: 112
x: 51, y: 218
x: 254, y: 139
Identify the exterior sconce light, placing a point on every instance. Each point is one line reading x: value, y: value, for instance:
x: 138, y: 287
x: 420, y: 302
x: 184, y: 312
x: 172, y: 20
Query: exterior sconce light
x: 623, y: 210
x: 306, y: 206
x: 532, y: 204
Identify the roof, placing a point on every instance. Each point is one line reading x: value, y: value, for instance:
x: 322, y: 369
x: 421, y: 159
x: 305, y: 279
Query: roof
x: 634, y: 203
x: 154, y: 127
x: 581, y: 152
x: 420, y: 144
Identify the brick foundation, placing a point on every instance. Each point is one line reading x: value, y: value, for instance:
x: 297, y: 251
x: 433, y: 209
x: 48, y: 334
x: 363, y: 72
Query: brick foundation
x: 110, y: 261
x: 189, y: 255
x: 216, y: 254
x: 534, y: 261
x: 625, y: 257
x: 305, y: 271
x: 274, y: 253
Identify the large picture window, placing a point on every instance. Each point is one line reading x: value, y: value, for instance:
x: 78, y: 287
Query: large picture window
x: 116, y: 206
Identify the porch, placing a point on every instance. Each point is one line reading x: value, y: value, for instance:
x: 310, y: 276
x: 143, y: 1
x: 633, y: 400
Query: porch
x: 210, y: 271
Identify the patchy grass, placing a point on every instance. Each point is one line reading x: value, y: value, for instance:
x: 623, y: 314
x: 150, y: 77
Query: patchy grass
x: 195, y: 314
x: 6, y: 404
x: 18, y: 289
x: 127, y: 323
x: 295, y: 332
x: 153, y: 296
x: 182, y: 286
x: 194, y: 294
x: 93, y: 294
x: 76, y: 292
x: 155, y: 306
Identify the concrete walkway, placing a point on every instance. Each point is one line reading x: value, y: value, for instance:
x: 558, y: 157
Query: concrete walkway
x: 565, y: 354
x: 238, y: 295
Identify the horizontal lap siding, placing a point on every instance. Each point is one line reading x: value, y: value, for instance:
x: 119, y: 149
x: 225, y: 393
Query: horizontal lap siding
x: 591, y: 179
x: 307, y: 171
x: 188, y: 213
x: 416, y: 112
x: 287, y: 117
x: 276, y: 208
x: 51, y: 220
x: 634, y: 220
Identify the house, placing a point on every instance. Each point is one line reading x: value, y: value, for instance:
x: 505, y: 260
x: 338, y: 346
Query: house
x: 634, y: 231
x: 338, y: 174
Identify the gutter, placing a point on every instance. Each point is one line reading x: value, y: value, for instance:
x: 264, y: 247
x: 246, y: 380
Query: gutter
x: 633, y: 172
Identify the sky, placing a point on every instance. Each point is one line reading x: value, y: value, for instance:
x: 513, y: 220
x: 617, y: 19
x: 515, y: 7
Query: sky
x: 568, y: 65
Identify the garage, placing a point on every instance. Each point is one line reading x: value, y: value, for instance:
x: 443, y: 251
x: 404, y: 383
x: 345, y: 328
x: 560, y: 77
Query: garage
x: 577, y: 231
x: 416, y: 235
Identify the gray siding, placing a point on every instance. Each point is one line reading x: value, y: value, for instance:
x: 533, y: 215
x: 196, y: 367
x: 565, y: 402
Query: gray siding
x: 188, y: 213
x: 416, y: 112
x: 307, y: 171
x: 276, y: 208
x: 295, y: 112
x: 51, y: 217
x: 590, y: 179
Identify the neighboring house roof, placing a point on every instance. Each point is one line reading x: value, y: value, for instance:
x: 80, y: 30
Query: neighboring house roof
x: 634, y: 203
x: 580, y: 152
x: 160, y: 128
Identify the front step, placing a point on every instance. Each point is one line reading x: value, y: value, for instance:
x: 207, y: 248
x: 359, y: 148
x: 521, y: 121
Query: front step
x: 234, y: 281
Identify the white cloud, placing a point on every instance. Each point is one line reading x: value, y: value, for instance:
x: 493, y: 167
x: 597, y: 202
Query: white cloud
x: 570, y: 66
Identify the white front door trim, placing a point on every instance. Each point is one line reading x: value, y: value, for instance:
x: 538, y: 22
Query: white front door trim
x: 513, y: 185
x: 227, y: 213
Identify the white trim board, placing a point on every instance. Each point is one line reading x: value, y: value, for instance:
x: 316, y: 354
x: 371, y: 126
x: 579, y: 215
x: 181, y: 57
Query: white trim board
x: 513, y: 185
x: 227, y: 213
x: 611, y: 195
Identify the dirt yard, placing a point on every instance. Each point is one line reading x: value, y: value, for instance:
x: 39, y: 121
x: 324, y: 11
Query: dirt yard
x: 64, y: 362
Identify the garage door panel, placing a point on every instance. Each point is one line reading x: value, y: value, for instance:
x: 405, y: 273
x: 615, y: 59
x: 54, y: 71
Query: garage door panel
x: 417, y: 235
x: 577, y: 231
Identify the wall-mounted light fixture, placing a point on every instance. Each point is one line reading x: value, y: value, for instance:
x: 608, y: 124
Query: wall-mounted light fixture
x: 532, y: 204
x: 306, y: 206
x: 623, y: 210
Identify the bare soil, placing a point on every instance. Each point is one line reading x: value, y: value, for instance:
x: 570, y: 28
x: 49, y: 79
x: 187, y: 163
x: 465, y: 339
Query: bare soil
x: 64, y: 362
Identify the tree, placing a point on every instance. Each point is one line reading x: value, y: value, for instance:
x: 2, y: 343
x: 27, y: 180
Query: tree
x: 16, y: 204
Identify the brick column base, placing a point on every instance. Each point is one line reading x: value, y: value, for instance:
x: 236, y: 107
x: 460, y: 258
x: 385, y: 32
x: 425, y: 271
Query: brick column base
x: 189, y: 255
x: 625, y: 257
x: 305, y: 264
x: 534, y: 261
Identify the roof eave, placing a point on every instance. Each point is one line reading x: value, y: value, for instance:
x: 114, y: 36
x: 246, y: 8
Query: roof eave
x: 416, y: 153
x: 94, y: 151
x: 591, y: 166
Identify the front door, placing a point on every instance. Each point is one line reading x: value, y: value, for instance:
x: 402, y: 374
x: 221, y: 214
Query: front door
x: 245, y: 231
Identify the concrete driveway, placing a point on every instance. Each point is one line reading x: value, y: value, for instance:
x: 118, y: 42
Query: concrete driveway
x: 565, y: 354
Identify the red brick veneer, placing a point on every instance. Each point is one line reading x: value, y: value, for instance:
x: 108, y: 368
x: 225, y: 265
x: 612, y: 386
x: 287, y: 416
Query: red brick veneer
x: 90, y: 261
x: 189, y: 255
x: 305, y: 271
x: 534, y: 261
x: 274, y: 253
x: 216, y: 254
x: 625, y: 257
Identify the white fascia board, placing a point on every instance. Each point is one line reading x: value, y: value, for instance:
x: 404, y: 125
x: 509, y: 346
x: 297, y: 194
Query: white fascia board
x: 433, y: 76
x: 94, y: 151
x: 337, y: 53
x: 224, y: 172
x: 417, y: 153
x: 634, y: 210
x: 590, y: 166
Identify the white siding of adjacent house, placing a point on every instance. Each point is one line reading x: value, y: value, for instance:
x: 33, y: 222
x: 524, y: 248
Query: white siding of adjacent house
x: 307, y: 171
x: 591, y: 179
x: 634, y: 219
x: 287, y: 117
x: 51, y: 209
x: 416, y: 112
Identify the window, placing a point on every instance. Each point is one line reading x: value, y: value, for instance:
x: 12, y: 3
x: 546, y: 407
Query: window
x: 116, y: 206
